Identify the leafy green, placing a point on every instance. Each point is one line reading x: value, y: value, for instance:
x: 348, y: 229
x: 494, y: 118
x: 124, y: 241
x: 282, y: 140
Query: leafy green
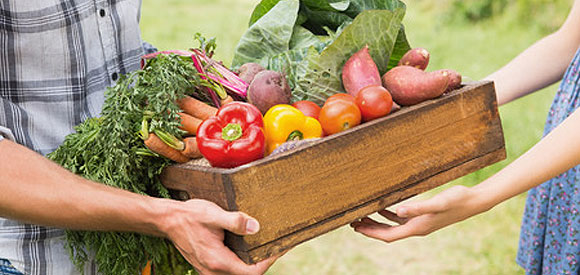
x: 107, y: 150
x: 261, y: 9
x: 310, y: 40
x: 259, y: 43
x: 323, y: 77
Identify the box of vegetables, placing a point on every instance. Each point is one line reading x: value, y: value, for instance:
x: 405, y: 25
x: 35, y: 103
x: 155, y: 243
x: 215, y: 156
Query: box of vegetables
x: 352, y: 124
x: 326, y: 115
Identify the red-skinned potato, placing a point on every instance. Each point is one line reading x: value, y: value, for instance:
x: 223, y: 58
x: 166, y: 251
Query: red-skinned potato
x: 359, y: 72
x: 454, y: 79
x: 409, y: 85
x: 417, y: 57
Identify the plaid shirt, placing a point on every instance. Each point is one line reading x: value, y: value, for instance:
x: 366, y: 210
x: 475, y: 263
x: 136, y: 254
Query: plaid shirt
x: 56, y: 59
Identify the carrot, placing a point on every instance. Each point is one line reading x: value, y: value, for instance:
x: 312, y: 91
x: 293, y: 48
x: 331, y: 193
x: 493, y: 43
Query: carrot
x: 147, y: 269
x: 227, y: 100
x: 189, y: 123
x: 191, y: 149
x: 155, y: 144
x: 196, y: 108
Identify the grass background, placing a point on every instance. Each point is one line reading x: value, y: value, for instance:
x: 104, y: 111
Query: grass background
x: 485, y: 244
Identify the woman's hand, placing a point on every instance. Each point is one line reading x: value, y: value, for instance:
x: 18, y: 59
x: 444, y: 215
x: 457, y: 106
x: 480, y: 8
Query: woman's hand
x: 556, y: 153
x: 420, y: 218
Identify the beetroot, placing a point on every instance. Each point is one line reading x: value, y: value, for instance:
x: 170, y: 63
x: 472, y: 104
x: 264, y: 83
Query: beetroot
x: 248, y: 71
x: 409, y: 85
x: 269, y: 88
x: 359, y: 72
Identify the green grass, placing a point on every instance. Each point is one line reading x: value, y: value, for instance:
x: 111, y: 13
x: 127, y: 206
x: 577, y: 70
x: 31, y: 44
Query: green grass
x: 485, y: 244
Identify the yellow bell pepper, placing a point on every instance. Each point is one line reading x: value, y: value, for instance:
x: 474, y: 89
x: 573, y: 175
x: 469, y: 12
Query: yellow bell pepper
x: 285, y: 123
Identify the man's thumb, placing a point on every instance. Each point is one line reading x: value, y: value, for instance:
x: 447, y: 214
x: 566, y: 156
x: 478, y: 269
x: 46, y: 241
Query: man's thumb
x: 240, y: 223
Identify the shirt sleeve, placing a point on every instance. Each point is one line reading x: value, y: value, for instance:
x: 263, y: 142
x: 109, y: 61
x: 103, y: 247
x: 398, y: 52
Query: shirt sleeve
x: 148, y: 48
x: 5, y: 133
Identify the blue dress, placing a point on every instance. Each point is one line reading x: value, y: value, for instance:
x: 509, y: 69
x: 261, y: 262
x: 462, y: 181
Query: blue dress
x: 550, y: 233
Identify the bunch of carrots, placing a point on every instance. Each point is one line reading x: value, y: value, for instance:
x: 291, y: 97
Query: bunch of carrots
x: 218, y: 86
x: 194, y: 113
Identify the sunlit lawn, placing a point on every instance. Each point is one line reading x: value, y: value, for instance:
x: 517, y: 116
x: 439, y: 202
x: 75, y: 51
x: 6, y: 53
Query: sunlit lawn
x: 486, y: 244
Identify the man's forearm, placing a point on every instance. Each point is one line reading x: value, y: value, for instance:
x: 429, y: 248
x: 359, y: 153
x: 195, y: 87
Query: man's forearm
x: 36, y: 190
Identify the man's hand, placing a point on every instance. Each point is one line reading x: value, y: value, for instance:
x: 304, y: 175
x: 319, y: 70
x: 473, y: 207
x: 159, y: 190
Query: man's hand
x: 41, y: 192
x: 420, y: 218
x: 197, y: 230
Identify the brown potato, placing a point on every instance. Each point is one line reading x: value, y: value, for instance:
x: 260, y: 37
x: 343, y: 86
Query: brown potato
x: 409, y: 85
x: 417, y: 57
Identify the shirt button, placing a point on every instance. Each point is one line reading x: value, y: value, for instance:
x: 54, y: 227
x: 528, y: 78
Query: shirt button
x: 102, y: 12
x: 114, y: 76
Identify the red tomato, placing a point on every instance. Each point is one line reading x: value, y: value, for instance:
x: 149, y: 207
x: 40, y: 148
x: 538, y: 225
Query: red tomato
x: 374, y: 102
x: 308, y: 108
x: 339, y: 113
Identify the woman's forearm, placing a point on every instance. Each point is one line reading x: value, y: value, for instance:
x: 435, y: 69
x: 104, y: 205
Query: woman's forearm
x: 538, y: 65
x: 556, y: 153
x: 39, y: 191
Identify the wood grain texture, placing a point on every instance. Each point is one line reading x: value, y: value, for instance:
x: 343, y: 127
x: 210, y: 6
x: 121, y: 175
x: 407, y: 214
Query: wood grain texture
x: 305, y: 192
x: 286, y: 242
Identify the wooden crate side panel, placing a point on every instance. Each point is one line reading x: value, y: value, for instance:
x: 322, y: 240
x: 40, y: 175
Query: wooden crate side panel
x: 200, y: 184
x: 282, y: 244
x: 335, y: 175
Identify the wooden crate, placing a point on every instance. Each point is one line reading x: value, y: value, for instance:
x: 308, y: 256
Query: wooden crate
x: 308, y: 191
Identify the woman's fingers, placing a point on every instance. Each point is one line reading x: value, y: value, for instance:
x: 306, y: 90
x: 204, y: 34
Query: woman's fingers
x: 367, y: 220
x: 383, y: 232
x: 417, y: 208
x: 446, y: 200
x: 419, y: 218
x: 392, y: 216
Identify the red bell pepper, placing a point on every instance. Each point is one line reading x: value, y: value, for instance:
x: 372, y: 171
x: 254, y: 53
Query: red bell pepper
x: 234, y: 137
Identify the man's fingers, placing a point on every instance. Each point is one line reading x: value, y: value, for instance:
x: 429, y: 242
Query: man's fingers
x: 264, y: 265
x: 392, y: 216
x: 230, y: 263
